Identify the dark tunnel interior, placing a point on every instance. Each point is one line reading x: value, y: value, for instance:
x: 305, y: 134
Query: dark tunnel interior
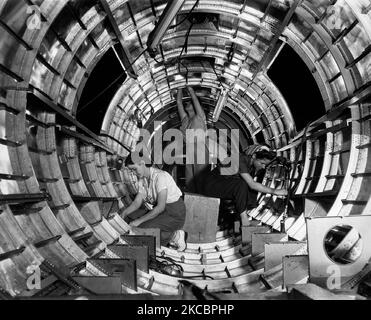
x: 93, y: 102
x: 297, y: 85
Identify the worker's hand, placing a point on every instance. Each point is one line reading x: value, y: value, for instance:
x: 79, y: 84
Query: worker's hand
x: 122, y: 212
x: 135, y: 223
x: 190, y: 89
x: 283, y: 161
x: 134, y: 231
x: 281, y: 193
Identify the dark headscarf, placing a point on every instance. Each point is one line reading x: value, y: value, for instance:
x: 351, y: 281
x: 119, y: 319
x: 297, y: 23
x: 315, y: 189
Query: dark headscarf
x: 250, y: 150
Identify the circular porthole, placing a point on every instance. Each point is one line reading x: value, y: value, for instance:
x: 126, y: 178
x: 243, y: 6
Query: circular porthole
x: 343, y: 244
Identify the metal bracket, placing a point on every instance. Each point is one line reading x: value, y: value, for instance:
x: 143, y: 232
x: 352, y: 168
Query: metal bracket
x: 125, y: 269
x: 138, y: 253
x: 148, y: 241
x: 24, y: 198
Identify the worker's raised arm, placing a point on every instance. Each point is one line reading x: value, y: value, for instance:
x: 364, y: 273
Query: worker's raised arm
x: 262, y: 188
x: 196, y: 103
x: 179, y: 101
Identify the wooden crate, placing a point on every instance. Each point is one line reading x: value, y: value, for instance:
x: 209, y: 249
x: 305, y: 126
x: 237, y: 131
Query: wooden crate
x: 201, y: 218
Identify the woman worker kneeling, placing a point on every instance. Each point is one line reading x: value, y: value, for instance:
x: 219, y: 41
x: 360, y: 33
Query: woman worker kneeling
x: 158, y: 190
x: 238, y: 183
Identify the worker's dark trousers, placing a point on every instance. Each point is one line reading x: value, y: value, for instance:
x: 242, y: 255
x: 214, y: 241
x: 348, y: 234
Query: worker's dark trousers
x: 168, y: 221
x: 229, y: 188
x: 195, y: 171
x: 193, y: 174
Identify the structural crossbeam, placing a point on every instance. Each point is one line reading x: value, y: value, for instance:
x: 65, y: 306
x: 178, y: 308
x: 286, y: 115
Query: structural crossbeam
x: 269, y: 53
x: 89, y: 199
x: 124, y: 53
x: 88, y: 135
x: 84, y: 138
x: 117, y: 141
x: 23, y: 198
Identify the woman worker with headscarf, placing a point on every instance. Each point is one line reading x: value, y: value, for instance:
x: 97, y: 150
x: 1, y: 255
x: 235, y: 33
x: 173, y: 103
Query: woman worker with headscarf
x: 238, y: 184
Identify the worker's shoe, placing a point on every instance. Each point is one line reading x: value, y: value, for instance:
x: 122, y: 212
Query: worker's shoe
x: 178, y: 241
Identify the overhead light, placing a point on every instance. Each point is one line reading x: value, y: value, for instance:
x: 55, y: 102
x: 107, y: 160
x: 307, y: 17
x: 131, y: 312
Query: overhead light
x: 179, y: 77
x: 220, y: 105
x: 167, y: 17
